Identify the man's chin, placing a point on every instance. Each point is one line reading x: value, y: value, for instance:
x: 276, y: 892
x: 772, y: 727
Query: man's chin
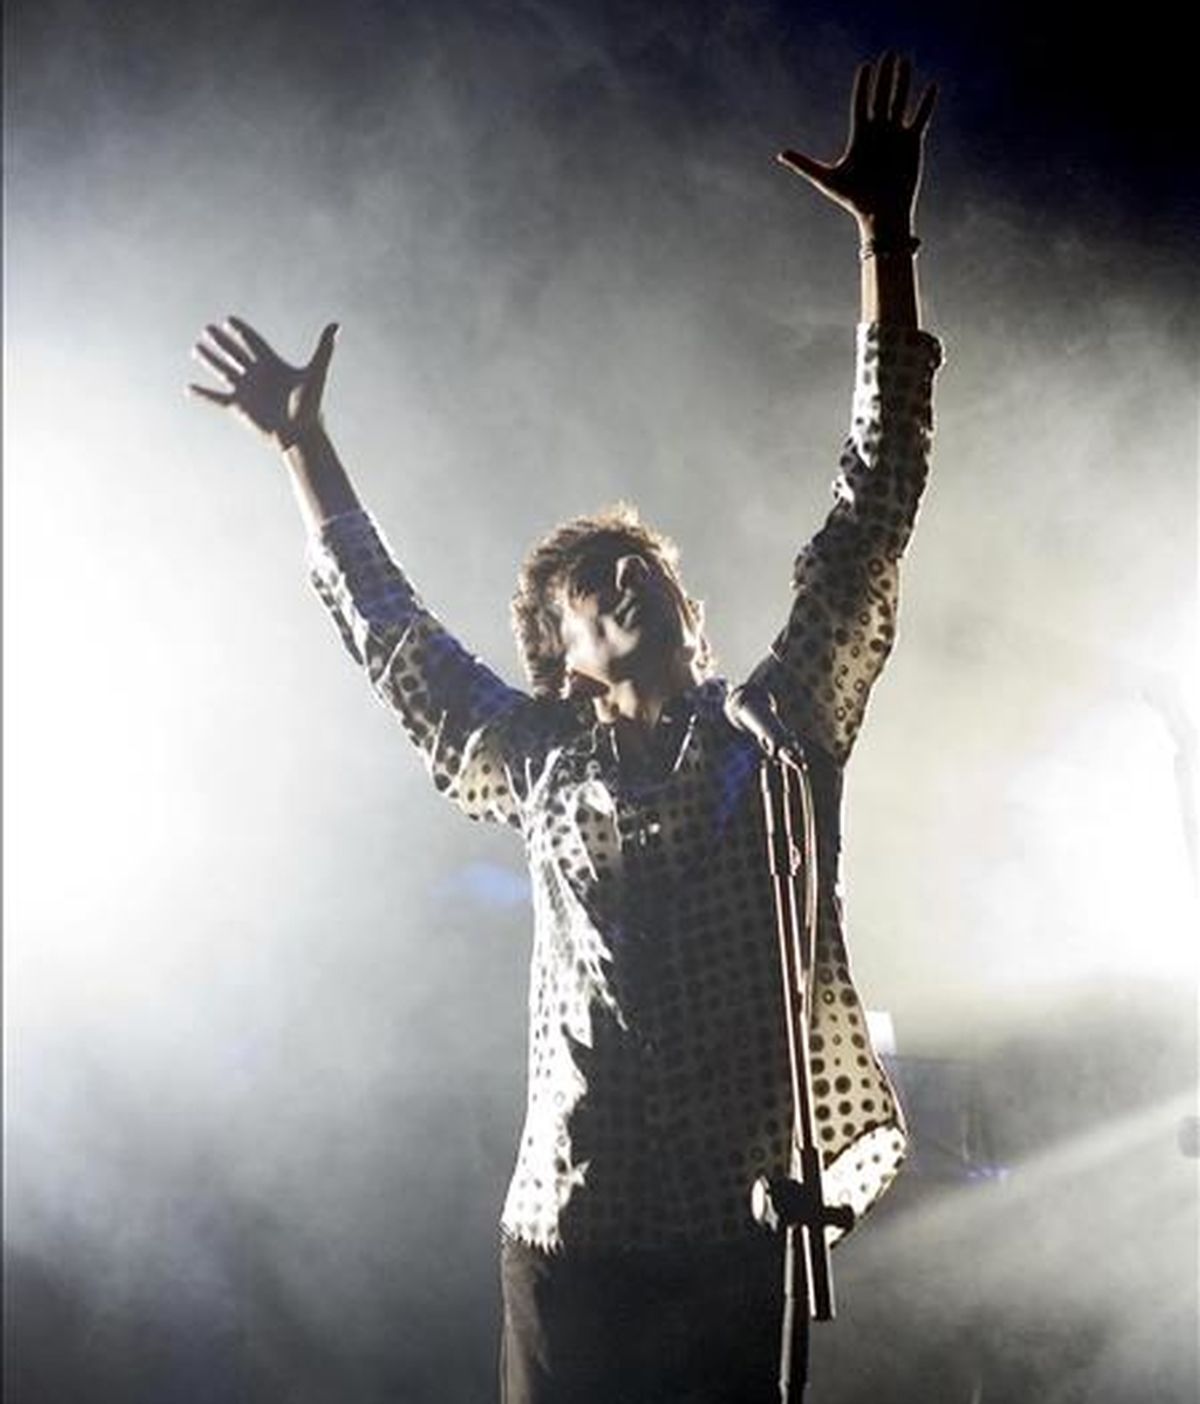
x: 585, y: 689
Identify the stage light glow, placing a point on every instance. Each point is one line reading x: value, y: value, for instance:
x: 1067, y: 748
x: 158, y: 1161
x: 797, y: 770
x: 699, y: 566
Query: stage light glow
x: 82, y: 684
x: 1101, y: 804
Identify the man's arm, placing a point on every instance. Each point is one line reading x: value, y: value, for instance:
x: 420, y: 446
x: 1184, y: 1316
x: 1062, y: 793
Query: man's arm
x: 842, y: 624
x: 460, y: 715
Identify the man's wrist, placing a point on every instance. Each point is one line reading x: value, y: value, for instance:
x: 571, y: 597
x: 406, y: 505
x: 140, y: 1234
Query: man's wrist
x: 306, y: 439
x: 890, y: 247
x: 885, y: 229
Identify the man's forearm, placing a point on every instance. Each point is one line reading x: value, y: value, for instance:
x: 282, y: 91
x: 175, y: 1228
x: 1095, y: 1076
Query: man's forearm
x: 322, y: 486
x: 889, y: 276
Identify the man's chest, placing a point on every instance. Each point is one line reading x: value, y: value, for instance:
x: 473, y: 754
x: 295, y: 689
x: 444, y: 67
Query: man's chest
x: 628, y: 837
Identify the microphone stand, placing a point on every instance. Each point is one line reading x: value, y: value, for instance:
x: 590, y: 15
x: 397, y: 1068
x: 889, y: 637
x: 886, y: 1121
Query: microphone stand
x: 796, y: 1205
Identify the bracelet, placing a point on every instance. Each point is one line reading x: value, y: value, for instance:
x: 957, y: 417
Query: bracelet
x: 882, y: 248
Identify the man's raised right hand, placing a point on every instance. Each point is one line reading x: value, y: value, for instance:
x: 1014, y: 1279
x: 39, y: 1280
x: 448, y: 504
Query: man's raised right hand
x: 279, y: 400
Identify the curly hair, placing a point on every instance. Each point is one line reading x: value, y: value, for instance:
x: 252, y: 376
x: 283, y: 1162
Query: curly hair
x: 554, y: 564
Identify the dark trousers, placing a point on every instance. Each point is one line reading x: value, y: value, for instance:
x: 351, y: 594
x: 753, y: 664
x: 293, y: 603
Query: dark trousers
x: 677, y: 1326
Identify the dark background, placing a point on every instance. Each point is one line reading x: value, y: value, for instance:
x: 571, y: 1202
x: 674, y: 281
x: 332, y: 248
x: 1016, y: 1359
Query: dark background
x: 264, y: 995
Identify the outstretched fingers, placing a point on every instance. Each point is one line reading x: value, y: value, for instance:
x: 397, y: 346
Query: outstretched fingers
x: 886, y: 99
x: 860, y: 100
x: 325, y: 344
x: 924, y: 110
x: 226, y: 358
x: 803, y: 165
x: 272, y: 396
x: 226, y: 368
x: 877, y: 175
x: 899, y: 103
x: 881, y: 96
x: 231, y: 346
x: 258, y: 345
x: 217, y: 397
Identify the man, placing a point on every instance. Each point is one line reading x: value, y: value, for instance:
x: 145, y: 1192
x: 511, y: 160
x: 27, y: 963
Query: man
x: 658, y: 1080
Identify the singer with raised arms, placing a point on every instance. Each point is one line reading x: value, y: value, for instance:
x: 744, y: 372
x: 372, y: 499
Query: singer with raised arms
x: 658, y: 1092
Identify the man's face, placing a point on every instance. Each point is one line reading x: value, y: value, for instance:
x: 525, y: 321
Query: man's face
x: 622, y: 618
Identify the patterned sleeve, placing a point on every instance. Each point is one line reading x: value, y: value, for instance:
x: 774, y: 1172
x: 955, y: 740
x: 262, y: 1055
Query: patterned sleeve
x: 454, y: 708
x: 843, y: 619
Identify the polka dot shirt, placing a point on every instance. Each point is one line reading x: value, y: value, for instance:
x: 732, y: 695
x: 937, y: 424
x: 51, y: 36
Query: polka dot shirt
x: 658, y: 1082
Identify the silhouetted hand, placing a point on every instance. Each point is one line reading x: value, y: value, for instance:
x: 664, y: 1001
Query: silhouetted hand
x: 279, y: 400
x: 877, y: 176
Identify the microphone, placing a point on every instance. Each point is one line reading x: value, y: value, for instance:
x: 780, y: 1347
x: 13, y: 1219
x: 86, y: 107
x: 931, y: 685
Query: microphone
x: 751, y: 708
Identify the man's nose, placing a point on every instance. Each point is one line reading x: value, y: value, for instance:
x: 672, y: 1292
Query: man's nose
x: 631, y: 570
